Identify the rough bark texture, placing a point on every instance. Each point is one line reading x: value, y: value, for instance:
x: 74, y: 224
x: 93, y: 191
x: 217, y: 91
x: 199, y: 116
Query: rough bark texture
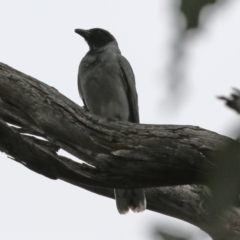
x: 118, y: 154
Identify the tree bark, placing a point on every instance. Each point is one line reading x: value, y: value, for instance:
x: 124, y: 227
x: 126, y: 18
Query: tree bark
x: 161, y: 158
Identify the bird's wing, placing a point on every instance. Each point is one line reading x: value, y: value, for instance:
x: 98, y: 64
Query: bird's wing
x: 130, y: 88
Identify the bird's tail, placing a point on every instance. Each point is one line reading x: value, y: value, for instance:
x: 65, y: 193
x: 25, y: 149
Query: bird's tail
x: 130, y: 199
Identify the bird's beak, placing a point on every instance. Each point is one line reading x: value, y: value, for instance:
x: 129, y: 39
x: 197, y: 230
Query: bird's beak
x: 84, y: 33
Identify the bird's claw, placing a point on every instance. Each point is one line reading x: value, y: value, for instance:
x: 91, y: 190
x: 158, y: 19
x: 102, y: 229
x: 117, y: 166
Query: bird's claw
x: 85, y: 108
x: 111, y: 119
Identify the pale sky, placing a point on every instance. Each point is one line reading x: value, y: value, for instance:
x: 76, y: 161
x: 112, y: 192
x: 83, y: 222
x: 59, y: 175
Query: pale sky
x: 37, y: 38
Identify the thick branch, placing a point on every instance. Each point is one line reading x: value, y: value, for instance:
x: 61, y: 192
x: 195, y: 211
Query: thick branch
x: 124, y: 155
x: 172, y: 154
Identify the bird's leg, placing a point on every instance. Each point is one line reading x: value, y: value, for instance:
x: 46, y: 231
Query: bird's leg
x: 85, y: 108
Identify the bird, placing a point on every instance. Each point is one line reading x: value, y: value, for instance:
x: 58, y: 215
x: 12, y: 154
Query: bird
x: 106, y: 85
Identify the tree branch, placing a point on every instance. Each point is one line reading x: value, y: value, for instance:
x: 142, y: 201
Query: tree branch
x: 233, y: 101
x: 121, y: 154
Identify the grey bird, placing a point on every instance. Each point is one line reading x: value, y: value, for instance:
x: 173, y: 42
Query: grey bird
x: 106, y: 84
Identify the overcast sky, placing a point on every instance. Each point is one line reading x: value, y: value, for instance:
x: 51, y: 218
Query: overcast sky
x: 37, y: 38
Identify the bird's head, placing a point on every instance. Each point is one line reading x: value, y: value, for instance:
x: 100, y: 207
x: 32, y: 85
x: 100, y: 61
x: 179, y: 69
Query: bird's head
x: 96, y: 37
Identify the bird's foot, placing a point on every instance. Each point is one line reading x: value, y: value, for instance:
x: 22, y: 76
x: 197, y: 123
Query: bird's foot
x: 85, y: 109
x: 111, y: 119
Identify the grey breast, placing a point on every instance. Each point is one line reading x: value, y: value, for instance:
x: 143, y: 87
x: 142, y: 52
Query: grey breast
x: 101, y: 82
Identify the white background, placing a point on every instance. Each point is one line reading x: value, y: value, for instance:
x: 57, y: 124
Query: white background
x: 37, y: 38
